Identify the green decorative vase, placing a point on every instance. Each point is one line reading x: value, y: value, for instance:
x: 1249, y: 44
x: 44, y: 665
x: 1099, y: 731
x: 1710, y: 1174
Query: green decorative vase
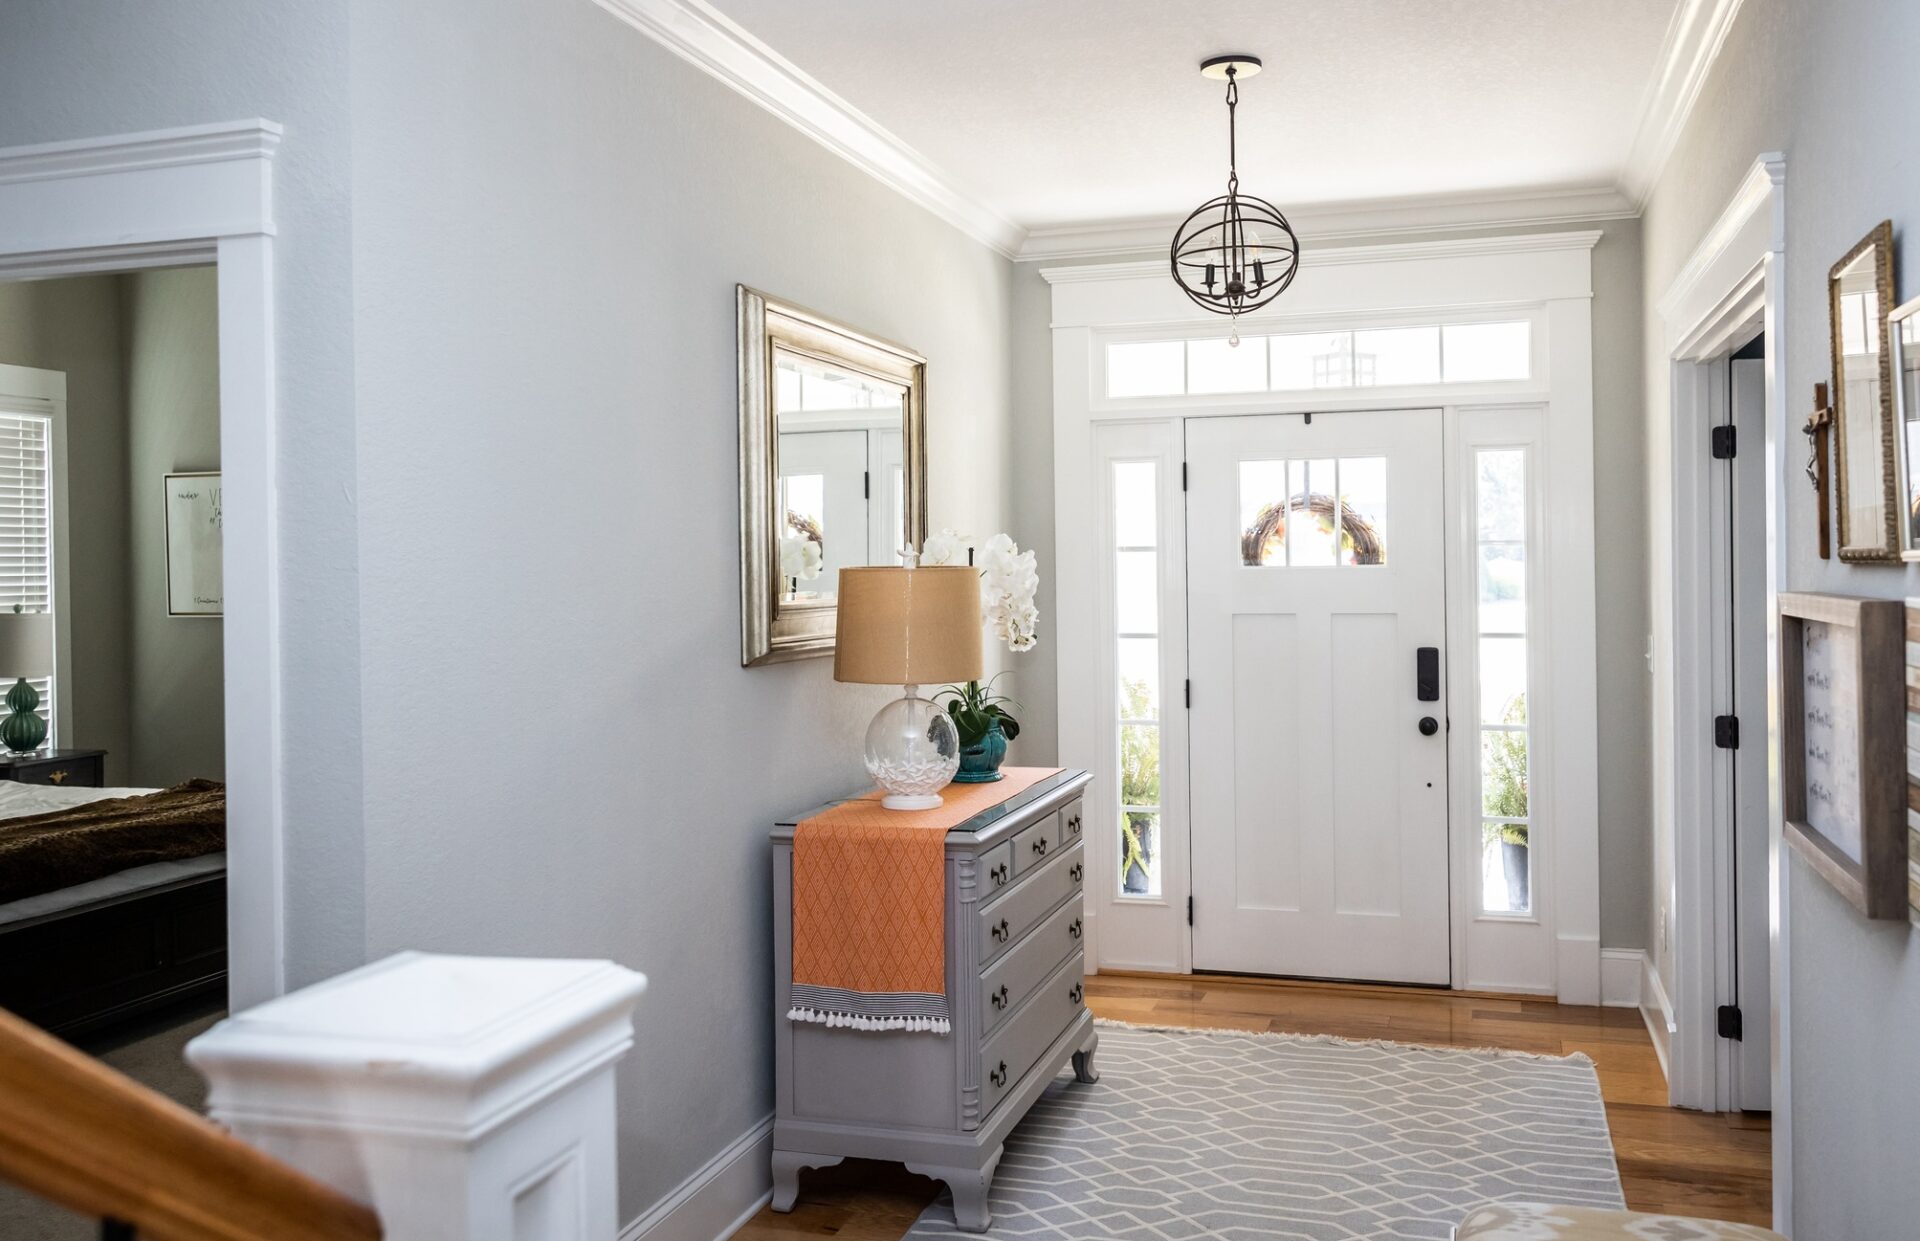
x: 980, y: 762
x: 23, y: 731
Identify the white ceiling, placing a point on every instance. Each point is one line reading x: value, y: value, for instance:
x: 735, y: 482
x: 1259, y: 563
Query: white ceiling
x: 1068, y: 112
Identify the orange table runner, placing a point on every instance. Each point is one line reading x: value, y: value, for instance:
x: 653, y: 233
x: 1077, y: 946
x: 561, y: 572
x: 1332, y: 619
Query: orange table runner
x: 870, y: 907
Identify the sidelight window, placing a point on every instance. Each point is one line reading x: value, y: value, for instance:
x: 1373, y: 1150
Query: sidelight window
x: 1501, y: 527
x: 1137, y: 631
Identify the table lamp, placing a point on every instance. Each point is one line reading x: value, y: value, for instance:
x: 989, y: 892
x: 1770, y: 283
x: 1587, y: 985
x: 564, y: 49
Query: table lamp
x: 909, y: 627
x: 26, y: 650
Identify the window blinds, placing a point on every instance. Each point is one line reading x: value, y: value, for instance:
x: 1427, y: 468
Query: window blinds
x: 26, y: 525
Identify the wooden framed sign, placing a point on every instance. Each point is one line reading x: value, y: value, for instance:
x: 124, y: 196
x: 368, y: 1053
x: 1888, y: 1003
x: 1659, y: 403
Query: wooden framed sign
x: 1843, y: 744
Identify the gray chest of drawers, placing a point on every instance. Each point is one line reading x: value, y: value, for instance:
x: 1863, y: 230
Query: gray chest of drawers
x: 943, y: 1104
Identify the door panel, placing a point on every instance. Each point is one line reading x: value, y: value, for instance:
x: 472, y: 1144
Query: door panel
x: 1319, y: 810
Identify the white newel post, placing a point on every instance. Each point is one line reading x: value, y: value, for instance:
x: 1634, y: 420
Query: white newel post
x: 463, y: 1098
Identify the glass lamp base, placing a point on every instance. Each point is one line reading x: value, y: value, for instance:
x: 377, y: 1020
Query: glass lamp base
x: 912, y: 752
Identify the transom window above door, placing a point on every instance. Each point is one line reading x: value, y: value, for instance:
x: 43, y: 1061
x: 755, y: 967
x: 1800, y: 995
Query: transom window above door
x: 1383, y: 357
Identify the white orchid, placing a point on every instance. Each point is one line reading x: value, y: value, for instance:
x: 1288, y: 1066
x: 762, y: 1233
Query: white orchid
x: 946, y: 547
x: 800, y: 558
x: 1009, y: 580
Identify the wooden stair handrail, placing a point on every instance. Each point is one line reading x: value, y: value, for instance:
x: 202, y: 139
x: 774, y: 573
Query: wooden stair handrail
x: 77, y: 1133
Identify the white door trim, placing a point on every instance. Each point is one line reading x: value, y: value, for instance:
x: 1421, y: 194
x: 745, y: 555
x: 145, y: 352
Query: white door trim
x: 30, y: 390
x: 201, y: 194
x: 1546, y: 279
x: 1733, y: 281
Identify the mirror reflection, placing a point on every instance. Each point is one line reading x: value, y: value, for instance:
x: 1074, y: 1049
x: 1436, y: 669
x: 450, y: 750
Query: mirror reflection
x: 1904, y: 328
x: 841, y: 490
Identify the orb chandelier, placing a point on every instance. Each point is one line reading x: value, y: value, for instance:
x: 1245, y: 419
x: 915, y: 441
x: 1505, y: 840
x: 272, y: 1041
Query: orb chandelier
x: 1235, y: 253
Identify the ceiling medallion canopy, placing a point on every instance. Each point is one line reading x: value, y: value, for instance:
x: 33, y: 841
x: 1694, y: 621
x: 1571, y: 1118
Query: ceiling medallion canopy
x: 1235, y: 253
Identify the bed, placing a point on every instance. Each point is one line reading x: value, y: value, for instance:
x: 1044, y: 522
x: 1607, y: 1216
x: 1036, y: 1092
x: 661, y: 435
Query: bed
x: 112, y: 902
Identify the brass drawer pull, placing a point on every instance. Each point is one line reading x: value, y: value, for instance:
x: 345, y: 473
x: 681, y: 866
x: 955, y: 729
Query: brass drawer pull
x: 1000, y: 931
x: 57, y: 777
x: 1077, y: 992
x: 1073, y: 825
x: 1074, y: 930
x: 1075, y: 871
x: 1040, y: 846
x: 1000, y: 998
x: 999, y: 874
x: 999, y: 1076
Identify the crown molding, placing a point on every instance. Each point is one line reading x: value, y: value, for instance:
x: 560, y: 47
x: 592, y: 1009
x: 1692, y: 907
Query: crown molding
x: 1348, y: 256
x: 707, y: 39
x: 160, y: 148
x: 1335, y: 222
x: 1693, y: 42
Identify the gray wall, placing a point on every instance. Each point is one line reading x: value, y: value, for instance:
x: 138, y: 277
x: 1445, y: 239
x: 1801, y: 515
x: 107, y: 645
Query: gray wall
x: 75, y: 70
x: 1620, y: 567
x: 74, y: 326
x: 1832, y: 86
x: 175, y: 685
x: 563, y: 756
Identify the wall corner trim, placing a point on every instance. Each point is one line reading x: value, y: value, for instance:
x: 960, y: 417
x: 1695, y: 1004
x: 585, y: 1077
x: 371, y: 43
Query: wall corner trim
x: 1692, y: 44
x: 719, y: 1198
x: 706, y: 38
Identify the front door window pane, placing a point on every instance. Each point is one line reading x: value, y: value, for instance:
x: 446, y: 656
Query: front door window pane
x: 1136, y: 651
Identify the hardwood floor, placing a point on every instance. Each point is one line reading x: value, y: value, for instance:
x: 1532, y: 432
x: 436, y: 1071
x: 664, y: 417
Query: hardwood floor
x: 1681, y: 1163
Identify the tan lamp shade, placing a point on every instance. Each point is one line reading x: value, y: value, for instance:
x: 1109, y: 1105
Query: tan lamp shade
x: 908, y: 626
x: 26, y: 645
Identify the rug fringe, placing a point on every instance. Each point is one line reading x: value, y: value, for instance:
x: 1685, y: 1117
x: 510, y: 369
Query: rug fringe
x: 1335, y: 1040
x: 854, y: 1021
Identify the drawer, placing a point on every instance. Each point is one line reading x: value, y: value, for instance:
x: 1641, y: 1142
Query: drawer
x: 1034, y: 846
x: 996, y: 869
x: 1070, y: 824
x: 68, y: 773
x: 1007, y: 984
x: 1012, y: 1053
x: 1005, y: 919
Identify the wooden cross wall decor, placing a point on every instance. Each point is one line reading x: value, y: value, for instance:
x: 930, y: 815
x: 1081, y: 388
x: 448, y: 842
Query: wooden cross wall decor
x: 1816, y: 428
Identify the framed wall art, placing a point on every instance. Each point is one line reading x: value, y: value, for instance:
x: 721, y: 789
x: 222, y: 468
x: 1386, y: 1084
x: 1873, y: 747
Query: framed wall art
x: 1843, y: 715
x: 1913, y: 759
x: 193, y: 545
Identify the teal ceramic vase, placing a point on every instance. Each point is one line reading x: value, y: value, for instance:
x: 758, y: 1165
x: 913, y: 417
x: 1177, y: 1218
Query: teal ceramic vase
x: 980, y: 762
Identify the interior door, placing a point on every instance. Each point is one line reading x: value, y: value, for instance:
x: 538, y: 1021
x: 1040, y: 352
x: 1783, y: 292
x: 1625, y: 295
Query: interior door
x: 1315, y: 562
x: 823, y: 484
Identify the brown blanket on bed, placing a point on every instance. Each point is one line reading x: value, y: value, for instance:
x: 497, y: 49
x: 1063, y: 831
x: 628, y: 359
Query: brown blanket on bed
x: 47, y: 852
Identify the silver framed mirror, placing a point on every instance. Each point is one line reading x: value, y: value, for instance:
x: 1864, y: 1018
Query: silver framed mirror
x: 833, y: 469
x: 1859, y: 291
x: 1903, y: 367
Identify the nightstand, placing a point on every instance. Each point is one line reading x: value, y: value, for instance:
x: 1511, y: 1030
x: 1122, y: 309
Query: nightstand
x: 71, y: 768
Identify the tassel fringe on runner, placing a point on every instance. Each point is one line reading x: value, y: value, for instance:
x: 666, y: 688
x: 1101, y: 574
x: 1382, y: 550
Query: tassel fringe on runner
x: 853, y: 1021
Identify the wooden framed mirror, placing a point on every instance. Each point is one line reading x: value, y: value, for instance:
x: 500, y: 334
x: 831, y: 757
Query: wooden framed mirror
x: 1859, y: 293
x: 833, y: 469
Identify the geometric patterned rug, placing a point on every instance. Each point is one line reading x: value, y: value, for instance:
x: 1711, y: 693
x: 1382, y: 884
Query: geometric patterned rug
x: 1250, y: 1137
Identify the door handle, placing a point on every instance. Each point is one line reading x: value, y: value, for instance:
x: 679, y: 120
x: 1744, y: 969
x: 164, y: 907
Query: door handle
x: 1426, y: 674
x: 1428, y: 726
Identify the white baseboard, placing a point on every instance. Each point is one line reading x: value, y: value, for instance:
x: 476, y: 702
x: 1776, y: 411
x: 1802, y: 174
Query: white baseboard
x: 1577, y: 969
x: 1620, y: 976
x: 716, y: 1201
x: 1657, y: 1011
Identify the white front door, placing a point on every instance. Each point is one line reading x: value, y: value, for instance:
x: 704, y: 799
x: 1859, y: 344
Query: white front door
x: 1315, y: 567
